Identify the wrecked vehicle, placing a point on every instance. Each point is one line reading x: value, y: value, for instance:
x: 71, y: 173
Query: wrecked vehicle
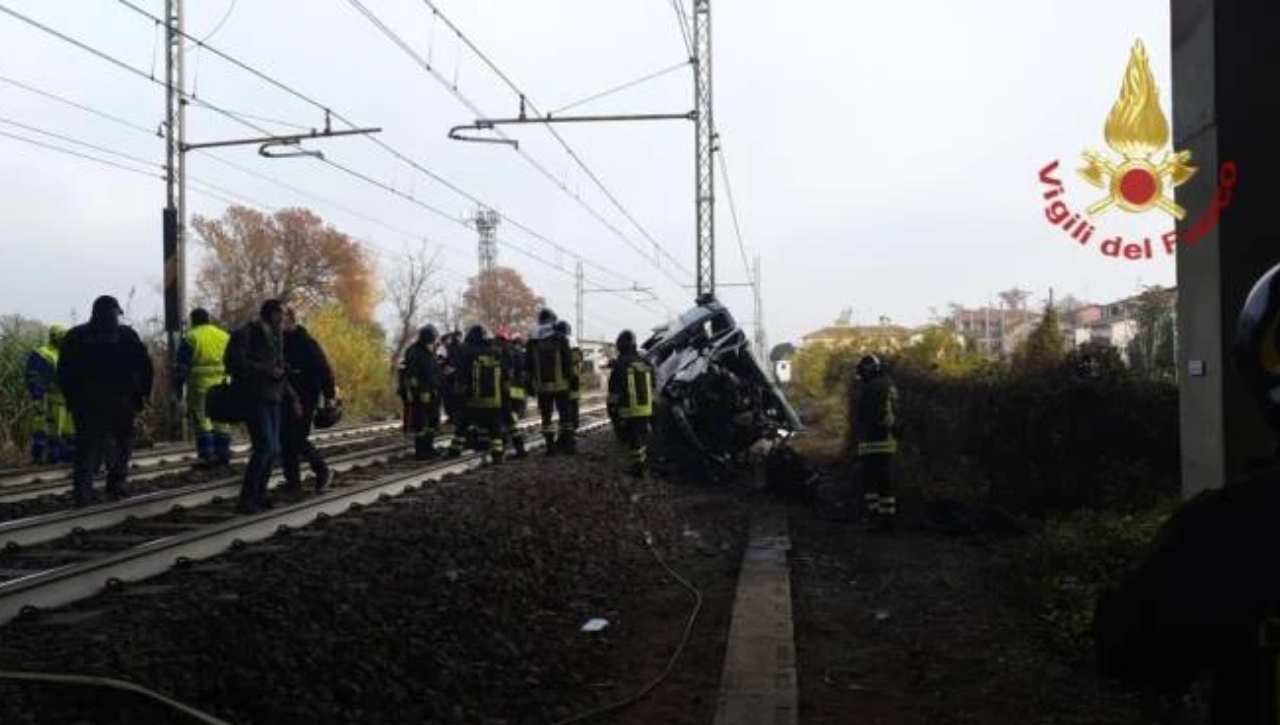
x: 714, y: 404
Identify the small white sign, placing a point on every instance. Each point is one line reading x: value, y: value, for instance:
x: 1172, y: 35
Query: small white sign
x: 1195, y: 368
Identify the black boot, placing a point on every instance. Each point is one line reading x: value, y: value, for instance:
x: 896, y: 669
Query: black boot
x: 518, y: 444
x: 324, y: 478
x: 549, y: 447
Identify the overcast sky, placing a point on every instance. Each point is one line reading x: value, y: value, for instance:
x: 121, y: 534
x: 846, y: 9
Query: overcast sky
x: 883, y: 156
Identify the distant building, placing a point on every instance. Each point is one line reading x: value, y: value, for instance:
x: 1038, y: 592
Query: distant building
x: 876, y: 338
x: 994, y: 331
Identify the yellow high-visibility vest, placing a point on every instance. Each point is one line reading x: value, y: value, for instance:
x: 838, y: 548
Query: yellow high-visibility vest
x: 208, y: 345
x: 639, y: 397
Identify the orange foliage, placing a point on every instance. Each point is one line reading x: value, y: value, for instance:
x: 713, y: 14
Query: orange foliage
x: 290, y: 254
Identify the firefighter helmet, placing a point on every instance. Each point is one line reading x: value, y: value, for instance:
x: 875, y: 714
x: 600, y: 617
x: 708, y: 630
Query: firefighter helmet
x: 562, y: 327
x: 428, y: 334
x: 1257, y: 344
x: 869, y: 367
x: 546, y: 316
x: 626, y: 341
x: 475, y: 335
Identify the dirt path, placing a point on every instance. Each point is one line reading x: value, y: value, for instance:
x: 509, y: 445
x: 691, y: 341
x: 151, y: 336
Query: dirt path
x: 913, y: 628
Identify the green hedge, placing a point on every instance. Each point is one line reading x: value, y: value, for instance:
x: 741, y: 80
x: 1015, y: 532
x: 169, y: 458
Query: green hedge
x: 1051, y: 442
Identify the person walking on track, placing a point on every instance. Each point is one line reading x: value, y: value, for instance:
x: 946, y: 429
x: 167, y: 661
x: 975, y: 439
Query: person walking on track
x: 630, y: 402
x: 551, y: 368
x: 199, y: 368
x: 311, y: 379
x: 874, y: 426
x: 421, y: 389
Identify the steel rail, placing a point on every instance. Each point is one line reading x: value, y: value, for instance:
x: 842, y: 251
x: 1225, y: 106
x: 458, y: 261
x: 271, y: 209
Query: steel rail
x: 168, y: 465
x: 57, y: 524
x: 166, y: 453
x: 63, y: 585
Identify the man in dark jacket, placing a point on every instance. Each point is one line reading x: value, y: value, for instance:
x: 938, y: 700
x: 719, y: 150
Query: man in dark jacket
x: 874, y: 425
x: 311, y: 379
x: 255, y: 360
x: 421, y: 384
x: 106, y: 374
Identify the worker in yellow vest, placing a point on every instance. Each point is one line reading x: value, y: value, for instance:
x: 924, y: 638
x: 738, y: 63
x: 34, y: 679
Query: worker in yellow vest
x: 200, y: 368
x: 630, y: 402
x: 52, y: 430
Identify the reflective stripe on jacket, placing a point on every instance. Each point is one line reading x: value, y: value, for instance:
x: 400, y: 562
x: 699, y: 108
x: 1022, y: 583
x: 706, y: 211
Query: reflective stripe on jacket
x: 631, y: 387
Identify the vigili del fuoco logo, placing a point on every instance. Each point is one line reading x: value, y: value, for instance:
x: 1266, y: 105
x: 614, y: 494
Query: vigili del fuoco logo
x: 1139, y: 178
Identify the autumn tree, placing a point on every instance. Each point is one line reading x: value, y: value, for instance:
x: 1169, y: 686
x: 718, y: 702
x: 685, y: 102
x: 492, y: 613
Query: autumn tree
x: 500, y: 299
x: 357, y: 354
x: 1151, y: 351
x: 290, y: 254
x: 411, y: 287
x: 1044, y: 348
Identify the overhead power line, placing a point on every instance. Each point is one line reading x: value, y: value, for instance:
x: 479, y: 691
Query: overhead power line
x: 204, y: 103
x: 403, y: 45
x: 78, y: 142
x: 382, y: 144
x: 551, y: 129
x: 80, y: 155
x: 733, y: 211
x: 682, y: 18
x: 68, y: 102
x: 622, y: 87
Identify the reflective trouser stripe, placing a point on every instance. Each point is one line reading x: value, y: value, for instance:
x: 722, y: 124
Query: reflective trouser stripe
x: 889, y: 505
x: 889, y: 446
x: 873, y: 502
x: 197, y: 393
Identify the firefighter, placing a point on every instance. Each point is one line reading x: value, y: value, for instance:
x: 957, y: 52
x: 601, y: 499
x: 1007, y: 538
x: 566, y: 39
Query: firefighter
x: 452, y: 389
x: 200, y: 368
x: 52, y: 430
x: 563, y: 329
x: 105, y: 373
x: 1203, y: 600
x: 874, y: 427
x: 551, y: 368
x: 482, y: 378
x: 514, y: 402
x: 311, y: 378
x: 630, y: 402
x: 421, y: 387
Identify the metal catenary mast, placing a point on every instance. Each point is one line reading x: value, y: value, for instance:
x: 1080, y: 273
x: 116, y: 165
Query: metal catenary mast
x: 704, y: 140
x: 175, y: 282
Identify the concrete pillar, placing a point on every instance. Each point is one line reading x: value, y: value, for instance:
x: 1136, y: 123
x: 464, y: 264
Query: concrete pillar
x: 1226, y: 107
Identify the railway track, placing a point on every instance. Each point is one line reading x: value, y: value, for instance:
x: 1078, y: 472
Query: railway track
x: 48, y: 561
x: 170, y: 467
x: 162, y: 460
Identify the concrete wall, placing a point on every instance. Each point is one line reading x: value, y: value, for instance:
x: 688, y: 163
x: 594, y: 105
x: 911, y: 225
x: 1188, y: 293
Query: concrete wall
x: 1226, y: 70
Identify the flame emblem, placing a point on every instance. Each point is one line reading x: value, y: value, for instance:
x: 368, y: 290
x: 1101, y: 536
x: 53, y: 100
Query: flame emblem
x: 1137, y: 129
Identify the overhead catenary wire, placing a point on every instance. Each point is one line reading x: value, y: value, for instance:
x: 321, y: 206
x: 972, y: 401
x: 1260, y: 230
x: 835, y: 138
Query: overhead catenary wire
x: 78, y: 142
x: 733, y: 211
x: 205, y: 103
x: 554, y: 133
x: 343, y: 119
x: 431, y: 70
x: 621, y: 87
x: 88, y: 109
x: 78, y: 154
x: 682, y: 19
